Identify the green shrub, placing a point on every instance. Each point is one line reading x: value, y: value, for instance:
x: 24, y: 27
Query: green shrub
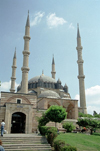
x: 58, y: 144
x: 84, y: 115
x: 43, y: 130
x: 53, y: 128
x: 51, y: 135
x: 43, y: 120
x: 68, y: 148
x: 97, y: 115
x: 68, y: 126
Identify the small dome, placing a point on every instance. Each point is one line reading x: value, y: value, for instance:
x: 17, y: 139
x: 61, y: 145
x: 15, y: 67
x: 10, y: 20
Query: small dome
x: 49, y: 94
x: 44, y: 78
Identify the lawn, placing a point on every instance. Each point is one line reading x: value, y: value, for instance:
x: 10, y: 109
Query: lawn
x: 82, y: 142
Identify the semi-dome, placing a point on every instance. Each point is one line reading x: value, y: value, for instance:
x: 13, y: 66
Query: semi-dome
x: 43, y: 77
x: 49, y: 94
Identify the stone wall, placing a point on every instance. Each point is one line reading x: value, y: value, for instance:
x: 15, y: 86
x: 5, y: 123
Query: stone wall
x: 12, y: 97
x: 2, y: 113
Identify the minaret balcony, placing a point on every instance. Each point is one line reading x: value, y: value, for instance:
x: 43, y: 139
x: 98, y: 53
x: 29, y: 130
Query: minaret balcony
x: 79, y: 48
x: 27, y: 37
x: 81, y: 76
x: 14, y: 66
x: 13, y: 78
x: 80, y: 61
x: 26, y: 52
x: 25, y: 69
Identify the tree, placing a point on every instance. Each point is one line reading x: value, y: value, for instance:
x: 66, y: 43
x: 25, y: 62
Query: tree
x: 94, y: 113
x: 56, y: 113
x: 84, y: 115
x: 89, y: 123
x: 43, y: 120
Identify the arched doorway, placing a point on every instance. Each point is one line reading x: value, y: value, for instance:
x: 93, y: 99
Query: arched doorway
x: 70, y: 111
x: 18, y: 122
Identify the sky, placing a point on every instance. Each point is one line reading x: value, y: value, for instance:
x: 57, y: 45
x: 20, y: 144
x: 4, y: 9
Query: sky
x: 53, y: 31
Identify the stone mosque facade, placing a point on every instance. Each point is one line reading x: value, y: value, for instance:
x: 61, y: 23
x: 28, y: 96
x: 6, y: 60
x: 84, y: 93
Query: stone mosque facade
x: 33, y: 97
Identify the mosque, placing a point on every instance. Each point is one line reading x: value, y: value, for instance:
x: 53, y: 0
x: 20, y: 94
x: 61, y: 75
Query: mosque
x: 33, y: 97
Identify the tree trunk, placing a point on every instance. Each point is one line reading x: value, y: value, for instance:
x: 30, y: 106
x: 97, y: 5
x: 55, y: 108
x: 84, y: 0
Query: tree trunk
x: 55, y: 124
x: 91, y: 131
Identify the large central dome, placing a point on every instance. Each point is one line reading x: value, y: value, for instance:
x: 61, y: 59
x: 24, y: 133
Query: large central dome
x: 43, y: 78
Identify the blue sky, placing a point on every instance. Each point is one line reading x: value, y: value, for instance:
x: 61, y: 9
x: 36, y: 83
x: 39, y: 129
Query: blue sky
x: 53, y: 31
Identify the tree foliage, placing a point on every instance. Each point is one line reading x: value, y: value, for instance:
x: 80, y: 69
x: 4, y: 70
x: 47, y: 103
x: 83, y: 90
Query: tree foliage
x: 56, y: 113
x: 84, y: 115
x: 89, y: 123
x: 95, y: 114
x: 68, y: 126
x: 43, y: 120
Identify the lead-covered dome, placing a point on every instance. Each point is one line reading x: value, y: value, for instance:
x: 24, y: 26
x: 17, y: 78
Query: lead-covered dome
x: 49, y: 94
x: 44, y: 78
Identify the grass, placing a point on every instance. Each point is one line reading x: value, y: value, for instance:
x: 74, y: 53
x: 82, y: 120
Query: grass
x: 82, y: 142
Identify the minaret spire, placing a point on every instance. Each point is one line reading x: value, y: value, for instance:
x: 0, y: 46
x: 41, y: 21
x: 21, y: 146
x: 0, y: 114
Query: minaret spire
x: 53, y: 72
x: 78, y: 32
x: 28, y: 22
x: 81, y: 75
x: 26, y: 52
x: 13, y: 78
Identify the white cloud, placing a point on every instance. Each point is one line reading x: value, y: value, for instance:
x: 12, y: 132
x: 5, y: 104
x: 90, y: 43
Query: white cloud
x: 37, y: 19
x: 77, y: 97
x: 71, y: 26
x: 54, y: 21
x: 93, y: 90
x: 91, y: 108
x: 5, y: 86
x: 92, y: 99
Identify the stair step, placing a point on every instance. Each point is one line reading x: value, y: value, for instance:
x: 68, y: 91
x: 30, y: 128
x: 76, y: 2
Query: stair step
x: 26, y: 145
x: 25, y: 142
x: 42, y: 149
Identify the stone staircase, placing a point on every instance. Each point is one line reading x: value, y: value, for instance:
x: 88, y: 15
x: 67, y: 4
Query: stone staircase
x: 25, y: 142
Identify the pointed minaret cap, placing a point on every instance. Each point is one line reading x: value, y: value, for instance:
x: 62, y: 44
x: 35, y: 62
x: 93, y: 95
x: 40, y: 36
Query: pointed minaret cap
x: 28, y: 22
x: 53, y: 62
x: 78, y: 32
x: 59, y: 80
x: 15, y: 53
x: 42, y: 72
x: 65, y: 85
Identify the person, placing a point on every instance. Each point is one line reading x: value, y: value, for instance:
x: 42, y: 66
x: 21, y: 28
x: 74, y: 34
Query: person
x: 84, y: 129
x: 1, y: 148
x: 2, y: 127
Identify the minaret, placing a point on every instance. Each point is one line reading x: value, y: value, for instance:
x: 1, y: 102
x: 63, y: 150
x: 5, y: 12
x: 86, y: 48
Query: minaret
x: 26, y: 52
x: 81, y: 75
x: 13, y: 78
x: 53, y: 72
